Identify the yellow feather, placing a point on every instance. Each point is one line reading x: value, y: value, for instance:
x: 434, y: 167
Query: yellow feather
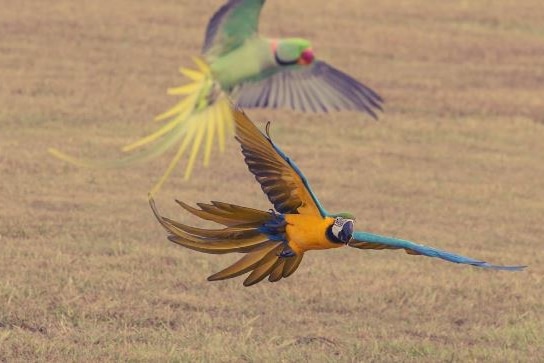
x: 174, y: 161
x: 201, y: 127
x: 214, y: 117
x: 245, y: 264
x: 154, y: 136
x: 184, y: 107
x: 204, y: 68
x: 221, y: 133
x: 69, y: 159
x: 185, y: 90
x: 277, y: 272
x: 192, y: 74
x: 227, y: 115
x: 292, y: 264
x: 265, y: 266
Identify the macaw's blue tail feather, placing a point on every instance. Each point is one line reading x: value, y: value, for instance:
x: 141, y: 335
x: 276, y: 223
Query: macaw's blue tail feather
x: 364, y: 240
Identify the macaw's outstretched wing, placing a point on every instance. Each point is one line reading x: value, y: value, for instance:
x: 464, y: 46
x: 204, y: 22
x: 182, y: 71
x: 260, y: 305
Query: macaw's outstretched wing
x: 280, y: 178
x: 316, y: 88
x: 246, y: 231
x: 231, y: 25
x: 364, y: 240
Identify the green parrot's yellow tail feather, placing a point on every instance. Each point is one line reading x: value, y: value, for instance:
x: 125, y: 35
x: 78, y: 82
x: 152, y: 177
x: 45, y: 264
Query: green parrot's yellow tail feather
x: 215, y: 117
x: 203, y: 66
x: 221, y: 131
x: 183, y: 108
x: 128, y: 160
x: 70, y: 159
x: 156, y: 135
x: 200, y: 128
x: 174, y: 161
x: 192, y: 74
x: 195, y: 120
x: 184, y: 90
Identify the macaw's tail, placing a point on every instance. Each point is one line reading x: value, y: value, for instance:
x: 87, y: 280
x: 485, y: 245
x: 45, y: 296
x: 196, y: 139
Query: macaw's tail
x: 194, y: 121
x: 258, y: 234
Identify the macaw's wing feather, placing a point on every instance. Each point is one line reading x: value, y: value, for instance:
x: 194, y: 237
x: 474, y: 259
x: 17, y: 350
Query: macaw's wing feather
x: 243, y: 234
x: 231, y: 25
x: 280, y: 178
x: 308, y: 88
x: 364, y: 240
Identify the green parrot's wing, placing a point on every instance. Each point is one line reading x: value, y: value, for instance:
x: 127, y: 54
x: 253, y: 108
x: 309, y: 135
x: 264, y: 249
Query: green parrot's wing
x: 364, y: 240
x: 280, y: 178
x: 317, y: 87
x: 231, y: 25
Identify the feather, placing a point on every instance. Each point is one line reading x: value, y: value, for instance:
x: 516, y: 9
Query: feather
x: 231, y: 25
x: 277, y: 273
x: 324, y: 87
x: 366, y: 240
x: 265, y: 266
x: 284, y: 184
x: 194, y: 121
x: 245, y: 264
x: 292, y: 264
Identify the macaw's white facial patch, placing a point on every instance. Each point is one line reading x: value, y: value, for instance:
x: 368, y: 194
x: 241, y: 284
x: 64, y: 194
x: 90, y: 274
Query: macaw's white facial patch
x: 342, y: 229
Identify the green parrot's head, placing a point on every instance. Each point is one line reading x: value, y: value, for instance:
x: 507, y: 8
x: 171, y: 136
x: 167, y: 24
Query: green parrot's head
x: 293, y: 51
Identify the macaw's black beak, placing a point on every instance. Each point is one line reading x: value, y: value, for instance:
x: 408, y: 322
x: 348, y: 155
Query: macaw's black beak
x: 346, y: 233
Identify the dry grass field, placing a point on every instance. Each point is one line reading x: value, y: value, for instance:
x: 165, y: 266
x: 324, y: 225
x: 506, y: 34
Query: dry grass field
x: 456, y: 161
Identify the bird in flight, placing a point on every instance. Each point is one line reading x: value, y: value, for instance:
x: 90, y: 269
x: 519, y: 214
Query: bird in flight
x: 274, y: 242
x: 238, y: 64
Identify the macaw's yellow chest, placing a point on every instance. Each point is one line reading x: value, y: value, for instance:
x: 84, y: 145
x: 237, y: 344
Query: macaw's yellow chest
x: 306, y: 232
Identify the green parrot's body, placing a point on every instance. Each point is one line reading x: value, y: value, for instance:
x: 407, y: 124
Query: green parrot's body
x: 239, y: 65
x: 255, y: 58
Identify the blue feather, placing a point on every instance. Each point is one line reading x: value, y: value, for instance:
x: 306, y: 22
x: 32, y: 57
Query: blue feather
x: 395, y: 243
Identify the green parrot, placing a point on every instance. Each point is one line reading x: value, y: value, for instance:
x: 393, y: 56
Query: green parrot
x: 239, y: 65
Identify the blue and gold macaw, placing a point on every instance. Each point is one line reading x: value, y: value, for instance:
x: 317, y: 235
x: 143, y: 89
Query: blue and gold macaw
x: 239, y: 64
x: 275, y: 242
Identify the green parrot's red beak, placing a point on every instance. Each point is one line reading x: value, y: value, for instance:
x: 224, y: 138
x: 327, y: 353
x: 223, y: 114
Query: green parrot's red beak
x: 307, y: 57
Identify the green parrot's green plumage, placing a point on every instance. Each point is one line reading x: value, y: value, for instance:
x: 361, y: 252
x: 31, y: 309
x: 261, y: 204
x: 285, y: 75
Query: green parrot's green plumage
x: 239, y: 65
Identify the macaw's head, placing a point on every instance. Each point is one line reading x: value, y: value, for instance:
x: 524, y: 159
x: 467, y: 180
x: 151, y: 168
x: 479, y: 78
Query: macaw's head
x: 293, y: 51
x: 342, y: 228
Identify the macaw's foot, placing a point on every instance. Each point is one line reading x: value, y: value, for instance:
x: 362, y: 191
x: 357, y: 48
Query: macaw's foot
x: 287, y: 252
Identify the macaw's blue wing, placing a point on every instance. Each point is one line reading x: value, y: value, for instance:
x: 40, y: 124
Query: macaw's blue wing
x: 231, y: 25
x: 308, y: 88
x: 280, y: 178
x: 364, y: 240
